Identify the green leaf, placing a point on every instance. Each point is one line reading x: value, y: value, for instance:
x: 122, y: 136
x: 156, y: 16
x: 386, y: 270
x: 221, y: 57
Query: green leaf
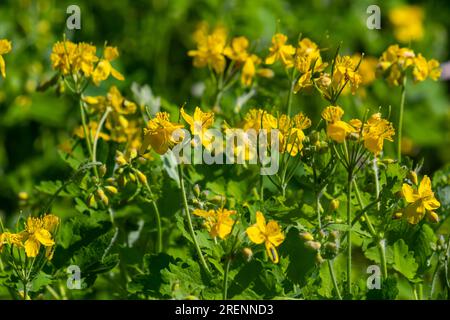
x: 403, y: 260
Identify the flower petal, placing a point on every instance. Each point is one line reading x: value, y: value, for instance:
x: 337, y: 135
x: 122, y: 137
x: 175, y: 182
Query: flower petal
x: 255, y: 235
x: 409, y: 193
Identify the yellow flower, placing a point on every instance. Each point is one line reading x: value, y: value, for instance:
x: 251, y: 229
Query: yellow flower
x: 10, y: 239
x: 375, y: 131
x: 420, y: 201
x: 210, y: 50
x: 87, y: 58
x: 159, y: 134
x: 337, y: 129
x: 423, y: 69
x: 407, y: 22
x: 291, y: 133
x: 64, y: 55
x: 238, y: 49
x: 344, y: 71
x: 281, y: 51
x: 104, y: 68
x: 307, y: 55
x: 38, y: 232
x: 249, y: 70
x: 199, y: 123
x: 259, y: 119
x: 367, y: 69
x: 5, y: 47
x: 269, y: 233
x: 218, y: 223
x: 394, y: 61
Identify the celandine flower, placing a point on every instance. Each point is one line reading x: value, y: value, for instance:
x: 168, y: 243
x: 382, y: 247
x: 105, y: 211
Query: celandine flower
x: 281, y: 51
x: 218, y: 222
x: 337, y: 129
x: 291, y: 133
x: 199, y: 123
x: 104, y: 67
x: 420, y: 201
x: 210, y: 49
x: 5, y: 47
x: 37, y: 233
x: 159, y: 134
x: 375, y: 131
x: 269, y: 233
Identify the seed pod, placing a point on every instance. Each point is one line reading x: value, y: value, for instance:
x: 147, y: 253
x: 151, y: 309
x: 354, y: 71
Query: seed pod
x: 111, y: 189
x: 313, y: 245
x: 247, y: 253
x: 142, y: 177
x: 412, y: 175
x: 102, y: 171
x: 306, y: 236
x: 334, y: 204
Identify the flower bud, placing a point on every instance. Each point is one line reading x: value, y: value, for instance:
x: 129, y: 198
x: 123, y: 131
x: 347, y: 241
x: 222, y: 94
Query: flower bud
x: 111, y: 189
x: 247, y: 253
x: 142, y: 177
x: 101, y: 194
x: 133, y: 153
x: 120, y: 159
x: 306, y: 236
x: 397, y: 215
x: 123, y: 181
x: 132, y: 177
x: 196, y: 190
x: 91, y: 200
x: 319, y: 259
x: 334, y: 204
x: 412, y: 176
x: 433, y: 217
x: 23, y: 196
x: 313, y: 245
x: 102, y: 170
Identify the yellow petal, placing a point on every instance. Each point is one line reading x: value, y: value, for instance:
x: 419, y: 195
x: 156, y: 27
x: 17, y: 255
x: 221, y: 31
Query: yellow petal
x: 431, y: 203
x: 272, y: 252
x: 414, y: 212
x: 425, y: 187
x: 32, y: 247
x: 409, y: 193
x: 116, y: 74
x: 2, y: 67
x: 255, y: 235
x: 260, y: 221
x: 44, y: 237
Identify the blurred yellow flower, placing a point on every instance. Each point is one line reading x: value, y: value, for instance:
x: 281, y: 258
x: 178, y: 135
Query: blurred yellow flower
x: 291, y: 133
x: 210, y: 49
x: 420, y: 201
x: 269, y: 233
x: 104, y: 68
x: 5, y: 47
x: 199, y: 123
x: 258, y: 119
x: 281, y: 51
x: 218, y: 222
x: 237, y: 51
x: 408, y: 23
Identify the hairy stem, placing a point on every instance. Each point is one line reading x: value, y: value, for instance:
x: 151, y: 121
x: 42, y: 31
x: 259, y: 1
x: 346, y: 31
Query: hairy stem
x: 400, y: 120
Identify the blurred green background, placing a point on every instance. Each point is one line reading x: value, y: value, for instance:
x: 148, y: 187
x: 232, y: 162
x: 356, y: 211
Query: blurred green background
x: 153, y: 37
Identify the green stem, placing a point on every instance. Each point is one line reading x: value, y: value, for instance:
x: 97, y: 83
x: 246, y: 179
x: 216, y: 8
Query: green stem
x: 188, y: 215
x: 400, y: 120
x: 333, y: 278
x: 349, y: 234
x: 158, y: 217
x: 97, y: 134
x: 379, y: 242
x: 261, y: 186
x: 289, y: 99
x: 225, y: 279
x: 87, y: 133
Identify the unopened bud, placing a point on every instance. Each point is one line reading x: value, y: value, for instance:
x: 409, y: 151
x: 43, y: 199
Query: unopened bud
x: 412, y: 176
x: 120, y: 159
x: 247, y: 253
x: 319, y: 259
x: 334, y: 204
x: 101, y: 194
x: 142, y: 177
x: 306, y: 236
x: 397, y: 215
x: 102, y: 170
x: 433, y: 217
x: 23, y: 196
x: 132, y: 177
x: 91, y: 200
x: 196, y: 189
x: 133, y: 153
x: 111, y: 189
x: 314, y: 245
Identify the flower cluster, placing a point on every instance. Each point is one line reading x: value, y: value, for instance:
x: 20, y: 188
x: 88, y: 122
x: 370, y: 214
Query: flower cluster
x: 395, y: 61
x: 81, y: 60
x: 373, y: 132
x: 219, y: 223
x: 216, y: 52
